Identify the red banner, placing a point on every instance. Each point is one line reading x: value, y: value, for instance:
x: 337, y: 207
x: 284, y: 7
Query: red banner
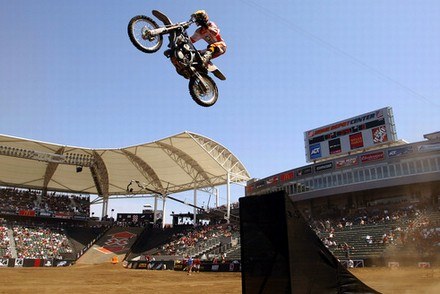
x: 373, y: 156
x: 287, y: 176
x: 26, y: 213
x: 356, y: 141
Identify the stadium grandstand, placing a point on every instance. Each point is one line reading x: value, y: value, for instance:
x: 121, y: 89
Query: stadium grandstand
x: 45, y: 198
x: 369, y: 207
x: 372, y: 206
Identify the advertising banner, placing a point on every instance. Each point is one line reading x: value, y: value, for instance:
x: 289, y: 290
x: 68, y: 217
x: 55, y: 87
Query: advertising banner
x: 346, y: 162
x: 429, y: 147
x: 373, y: 157
x: 399, y: 151
x: 325, y: 166
x: 315, y: 151
x: 26, y: 213
x: 334, y: 146
x: 379, y: 135
x: 356, y: 141
x: 4, y: 262
x: 304, y: 171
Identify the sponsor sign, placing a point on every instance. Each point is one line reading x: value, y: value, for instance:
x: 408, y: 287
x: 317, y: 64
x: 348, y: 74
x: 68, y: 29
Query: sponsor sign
x: 356, y: 141
x: 215, y: 267
x: 26, y: 213
x: 379, y: 135
x: 147, y: 216
x: 19, y: 262
x: 372, y: 157
x: 315, y: 151
x: 272, y: 180
x: 429, y: 147
x: 64, y: 215
x: 4, y: 262
x: 3, y: 211
x: 287, y: 176
x: 304, y: 171
x: 259, y: 184
x: 347, y: 162
x: 62, y: 263
x: 45, y: 213
x: 324, y: 166
x: 399, y: 151
x: 334, y: 146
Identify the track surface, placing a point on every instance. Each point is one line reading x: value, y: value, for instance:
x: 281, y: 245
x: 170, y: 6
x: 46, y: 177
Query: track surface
x: 109, y: 278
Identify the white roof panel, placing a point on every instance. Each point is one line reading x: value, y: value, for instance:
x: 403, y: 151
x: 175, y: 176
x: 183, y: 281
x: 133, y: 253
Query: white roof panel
x: 174, y: 164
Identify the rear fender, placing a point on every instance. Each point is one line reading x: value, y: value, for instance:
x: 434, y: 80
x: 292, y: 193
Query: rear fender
x: 215, y: 71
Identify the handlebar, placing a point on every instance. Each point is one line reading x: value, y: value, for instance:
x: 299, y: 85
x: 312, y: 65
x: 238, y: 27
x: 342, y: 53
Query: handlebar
x: 188, y: 23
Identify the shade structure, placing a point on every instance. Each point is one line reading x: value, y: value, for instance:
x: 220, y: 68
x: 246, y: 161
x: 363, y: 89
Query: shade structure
x: 178, y: 163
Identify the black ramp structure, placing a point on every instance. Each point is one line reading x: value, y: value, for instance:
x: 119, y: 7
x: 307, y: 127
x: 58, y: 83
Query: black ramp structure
x: 280, y: 253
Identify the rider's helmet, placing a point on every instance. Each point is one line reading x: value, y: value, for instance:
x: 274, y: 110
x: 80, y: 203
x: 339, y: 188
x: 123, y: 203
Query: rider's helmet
x: 201, y: 17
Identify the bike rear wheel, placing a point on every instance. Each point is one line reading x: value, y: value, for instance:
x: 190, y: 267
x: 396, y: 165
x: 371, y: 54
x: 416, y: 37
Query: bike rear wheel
x: 203, y: 91
x: 138, y: 29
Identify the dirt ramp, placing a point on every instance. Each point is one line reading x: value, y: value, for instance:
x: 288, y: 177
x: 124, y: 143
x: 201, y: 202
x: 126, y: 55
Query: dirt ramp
x: 116, y: 242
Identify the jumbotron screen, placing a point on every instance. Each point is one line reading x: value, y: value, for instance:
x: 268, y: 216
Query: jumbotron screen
x: 357, y: 133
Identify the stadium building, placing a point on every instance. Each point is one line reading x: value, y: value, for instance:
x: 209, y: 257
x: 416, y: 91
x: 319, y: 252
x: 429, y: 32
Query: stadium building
x: 358, y: 169
x: 392, y: 172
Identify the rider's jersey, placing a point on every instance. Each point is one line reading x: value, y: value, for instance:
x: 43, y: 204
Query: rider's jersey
x: 210, y: 34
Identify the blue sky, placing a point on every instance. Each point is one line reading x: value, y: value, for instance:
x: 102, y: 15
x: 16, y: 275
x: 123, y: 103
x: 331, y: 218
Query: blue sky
x: 69, y: 75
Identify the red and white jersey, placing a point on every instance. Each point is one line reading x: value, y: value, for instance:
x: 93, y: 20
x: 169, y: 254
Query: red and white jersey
x: 210, y: 34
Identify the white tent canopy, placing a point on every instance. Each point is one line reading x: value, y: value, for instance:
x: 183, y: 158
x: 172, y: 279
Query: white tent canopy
x: 186, y: 161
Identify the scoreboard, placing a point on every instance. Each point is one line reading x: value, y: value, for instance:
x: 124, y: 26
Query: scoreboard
x: 357, y: 133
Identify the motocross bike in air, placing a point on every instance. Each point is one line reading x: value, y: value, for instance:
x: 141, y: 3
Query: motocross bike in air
x: 147, y: 36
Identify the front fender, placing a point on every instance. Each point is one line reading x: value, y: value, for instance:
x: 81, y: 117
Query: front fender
x: 162, y: 17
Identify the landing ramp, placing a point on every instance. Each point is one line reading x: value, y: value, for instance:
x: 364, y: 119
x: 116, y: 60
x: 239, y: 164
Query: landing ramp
x: 116, y: 242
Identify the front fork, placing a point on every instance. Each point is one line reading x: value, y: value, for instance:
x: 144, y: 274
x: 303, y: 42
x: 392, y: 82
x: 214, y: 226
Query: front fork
x: 151, y: 34
x: 202, y: 84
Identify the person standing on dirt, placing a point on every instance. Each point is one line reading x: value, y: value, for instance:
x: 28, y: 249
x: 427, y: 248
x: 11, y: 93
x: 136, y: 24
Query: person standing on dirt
x: 189, y: 264
x: 197, y: 263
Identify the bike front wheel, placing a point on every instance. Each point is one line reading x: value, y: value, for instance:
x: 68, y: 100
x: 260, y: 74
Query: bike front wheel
x: 138, y: 31
x: 203, y: 91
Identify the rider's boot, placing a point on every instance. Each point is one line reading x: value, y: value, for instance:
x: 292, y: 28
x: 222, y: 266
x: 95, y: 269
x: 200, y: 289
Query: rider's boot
x: 167, y: 53
x: 207, y: 56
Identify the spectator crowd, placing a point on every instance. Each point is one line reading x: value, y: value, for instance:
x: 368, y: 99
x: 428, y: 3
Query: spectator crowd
x: 40, y: 242
x: 195, y: 237
x: 410, y: 226
x: 28, y: 202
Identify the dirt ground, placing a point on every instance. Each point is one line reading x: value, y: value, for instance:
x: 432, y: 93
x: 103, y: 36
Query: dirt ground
x: 108, y: 278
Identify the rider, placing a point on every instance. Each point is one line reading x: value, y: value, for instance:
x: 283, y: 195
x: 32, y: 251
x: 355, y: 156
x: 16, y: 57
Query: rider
x: 209, y: 32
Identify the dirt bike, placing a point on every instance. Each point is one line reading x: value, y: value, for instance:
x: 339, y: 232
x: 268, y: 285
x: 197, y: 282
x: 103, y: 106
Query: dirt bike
x: 147, y: 36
